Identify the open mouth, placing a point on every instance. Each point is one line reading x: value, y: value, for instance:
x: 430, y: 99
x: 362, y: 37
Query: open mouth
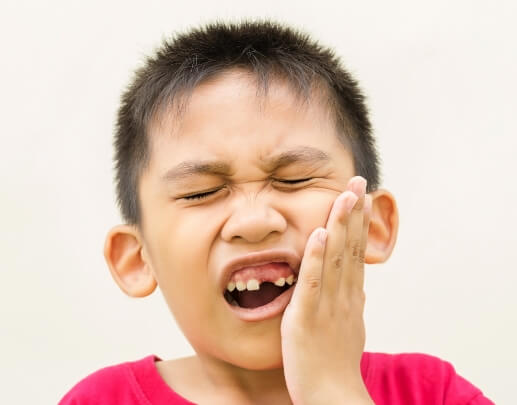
x: 257, y: 285
x: 255, y: 298
x: 260, y: 286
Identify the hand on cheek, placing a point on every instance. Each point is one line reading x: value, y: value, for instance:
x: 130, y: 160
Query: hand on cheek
x: 323, y: 333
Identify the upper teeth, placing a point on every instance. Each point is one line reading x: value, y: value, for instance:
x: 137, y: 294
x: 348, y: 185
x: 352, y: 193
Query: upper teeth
x: 253, y: 284
x: 280, y: 282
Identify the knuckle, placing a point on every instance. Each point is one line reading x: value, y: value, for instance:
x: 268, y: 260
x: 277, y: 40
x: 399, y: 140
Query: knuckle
x: 313, y: 282
x: 355, y: 246
x: 361, y: 256
x: 337, y: 261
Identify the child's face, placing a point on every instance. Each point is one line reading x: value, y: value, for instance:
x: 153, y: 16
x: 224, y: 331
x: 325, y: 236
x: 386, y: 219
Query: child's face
x: 187, y: 243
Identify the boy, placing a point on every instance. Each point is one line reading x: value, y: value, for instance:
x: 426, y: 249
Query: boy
x: 248, y: 178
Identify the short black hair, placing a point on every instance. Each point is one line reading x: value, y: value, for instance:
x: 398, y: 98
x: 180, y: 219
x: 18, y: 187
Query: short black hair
x: 264, y: 48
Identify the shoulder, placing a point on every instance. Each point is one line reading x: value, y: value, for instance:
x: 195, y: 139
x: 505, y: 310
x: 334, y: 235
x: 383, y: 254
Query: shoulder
x: 420, y: 379
x: 417, y: 364
x: 114, y: 384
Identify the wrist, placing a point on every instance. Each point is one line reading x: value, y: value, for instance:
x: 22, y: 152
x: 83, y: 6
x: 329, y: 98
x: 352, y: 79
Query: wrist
x: 350, y: 395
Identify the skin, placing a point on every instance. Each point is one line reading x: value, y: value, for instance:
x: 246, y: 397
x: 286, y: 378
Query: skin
x: 182, y: 246
x: 330, y: 302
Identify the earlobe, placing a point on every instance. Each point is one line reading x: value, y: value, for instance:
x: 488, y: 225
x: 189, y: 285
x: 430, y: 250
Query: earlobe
x: 126, y: 260
x: 384, y: 224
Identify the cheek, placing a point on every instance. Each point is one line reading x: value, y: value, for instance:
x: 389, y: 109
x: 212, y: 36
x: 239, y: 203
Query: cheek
x: 177, y: 243
x: 182, y: 275
x: 181, y: 272
x: 179, y: 255
x: 309, y: 209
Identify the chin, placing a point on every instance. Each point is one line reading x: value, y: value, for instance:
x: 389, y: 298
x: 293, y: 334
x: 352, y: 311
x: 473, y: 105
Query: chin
x: 257, y: 353
x: 260, y: 362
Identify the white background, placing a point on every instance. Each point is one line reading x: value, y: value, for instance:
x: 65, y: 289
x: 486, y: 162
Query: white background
x: 441, y: 82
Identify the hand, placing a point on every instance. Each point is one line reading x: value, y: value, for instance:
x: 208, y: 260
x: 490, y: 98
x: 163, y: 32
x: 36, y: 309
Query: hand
x: 323, y: 333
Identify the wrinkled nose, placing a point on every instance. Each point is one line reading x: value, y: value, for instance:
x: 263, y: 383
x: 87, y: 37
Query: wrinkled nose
x: 253, y: 222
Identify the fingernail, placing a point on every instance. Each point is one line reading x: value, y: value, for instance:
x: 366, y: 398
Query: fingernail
x: 359, y: 186
x: 321, y: 235
x: 350, y: 202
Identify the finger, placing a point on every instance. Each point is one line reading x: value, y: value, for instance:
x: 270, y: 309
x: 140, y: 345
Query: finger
x: 352, y: 275
x: 359, y: 269
x: 334, y: 253
x: 307, y: 288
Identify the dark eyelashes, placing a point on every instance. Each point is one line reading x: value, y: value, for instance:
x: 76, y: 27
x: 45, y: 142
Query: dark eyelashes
x: 293, y: 181
x: 201, y: 195
x: 206, y: 194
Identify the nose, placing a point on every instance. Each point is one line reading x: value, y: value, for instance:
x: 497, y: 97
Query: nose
x: 253, y: 221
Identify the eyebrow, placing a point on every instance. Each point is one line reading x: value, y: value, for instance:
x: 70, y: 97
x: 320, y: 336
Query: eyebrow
x: 302, y: 154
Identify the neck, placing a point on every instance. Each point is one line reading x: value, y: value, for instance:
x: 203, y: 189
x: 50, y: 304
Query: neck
x: 243, y: 385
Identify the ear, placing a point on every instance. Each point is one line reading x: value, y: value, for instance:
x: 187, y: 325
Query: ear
x: 384, y: 225
x: 127, y: 261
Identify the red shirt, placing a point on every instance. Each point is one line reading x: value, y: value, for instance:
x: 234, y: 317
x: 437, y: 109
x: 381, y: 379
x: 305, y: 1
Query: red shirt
x: 391, y: 379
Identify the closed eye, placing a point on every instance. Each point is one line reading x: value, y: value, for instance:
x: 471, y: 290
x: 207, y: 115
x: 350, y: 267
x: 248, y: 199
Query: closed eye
x: 297, y: 181
x: 207, y: 194
x: 200, y: 196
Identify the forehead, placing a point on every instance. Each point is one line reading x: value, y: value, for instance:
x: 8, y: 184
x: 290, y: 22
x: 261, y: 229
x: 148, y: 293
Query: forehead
x: 229, y: 117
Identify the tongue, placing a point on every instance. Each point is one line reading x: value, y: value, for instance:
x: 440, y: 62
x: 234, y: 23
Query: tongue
x: 253, y: 299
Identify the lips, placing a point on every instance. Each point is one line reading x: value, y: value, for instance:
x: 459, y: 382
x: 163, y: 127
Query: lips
x: 277, y: 305
x: 268, y: 311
